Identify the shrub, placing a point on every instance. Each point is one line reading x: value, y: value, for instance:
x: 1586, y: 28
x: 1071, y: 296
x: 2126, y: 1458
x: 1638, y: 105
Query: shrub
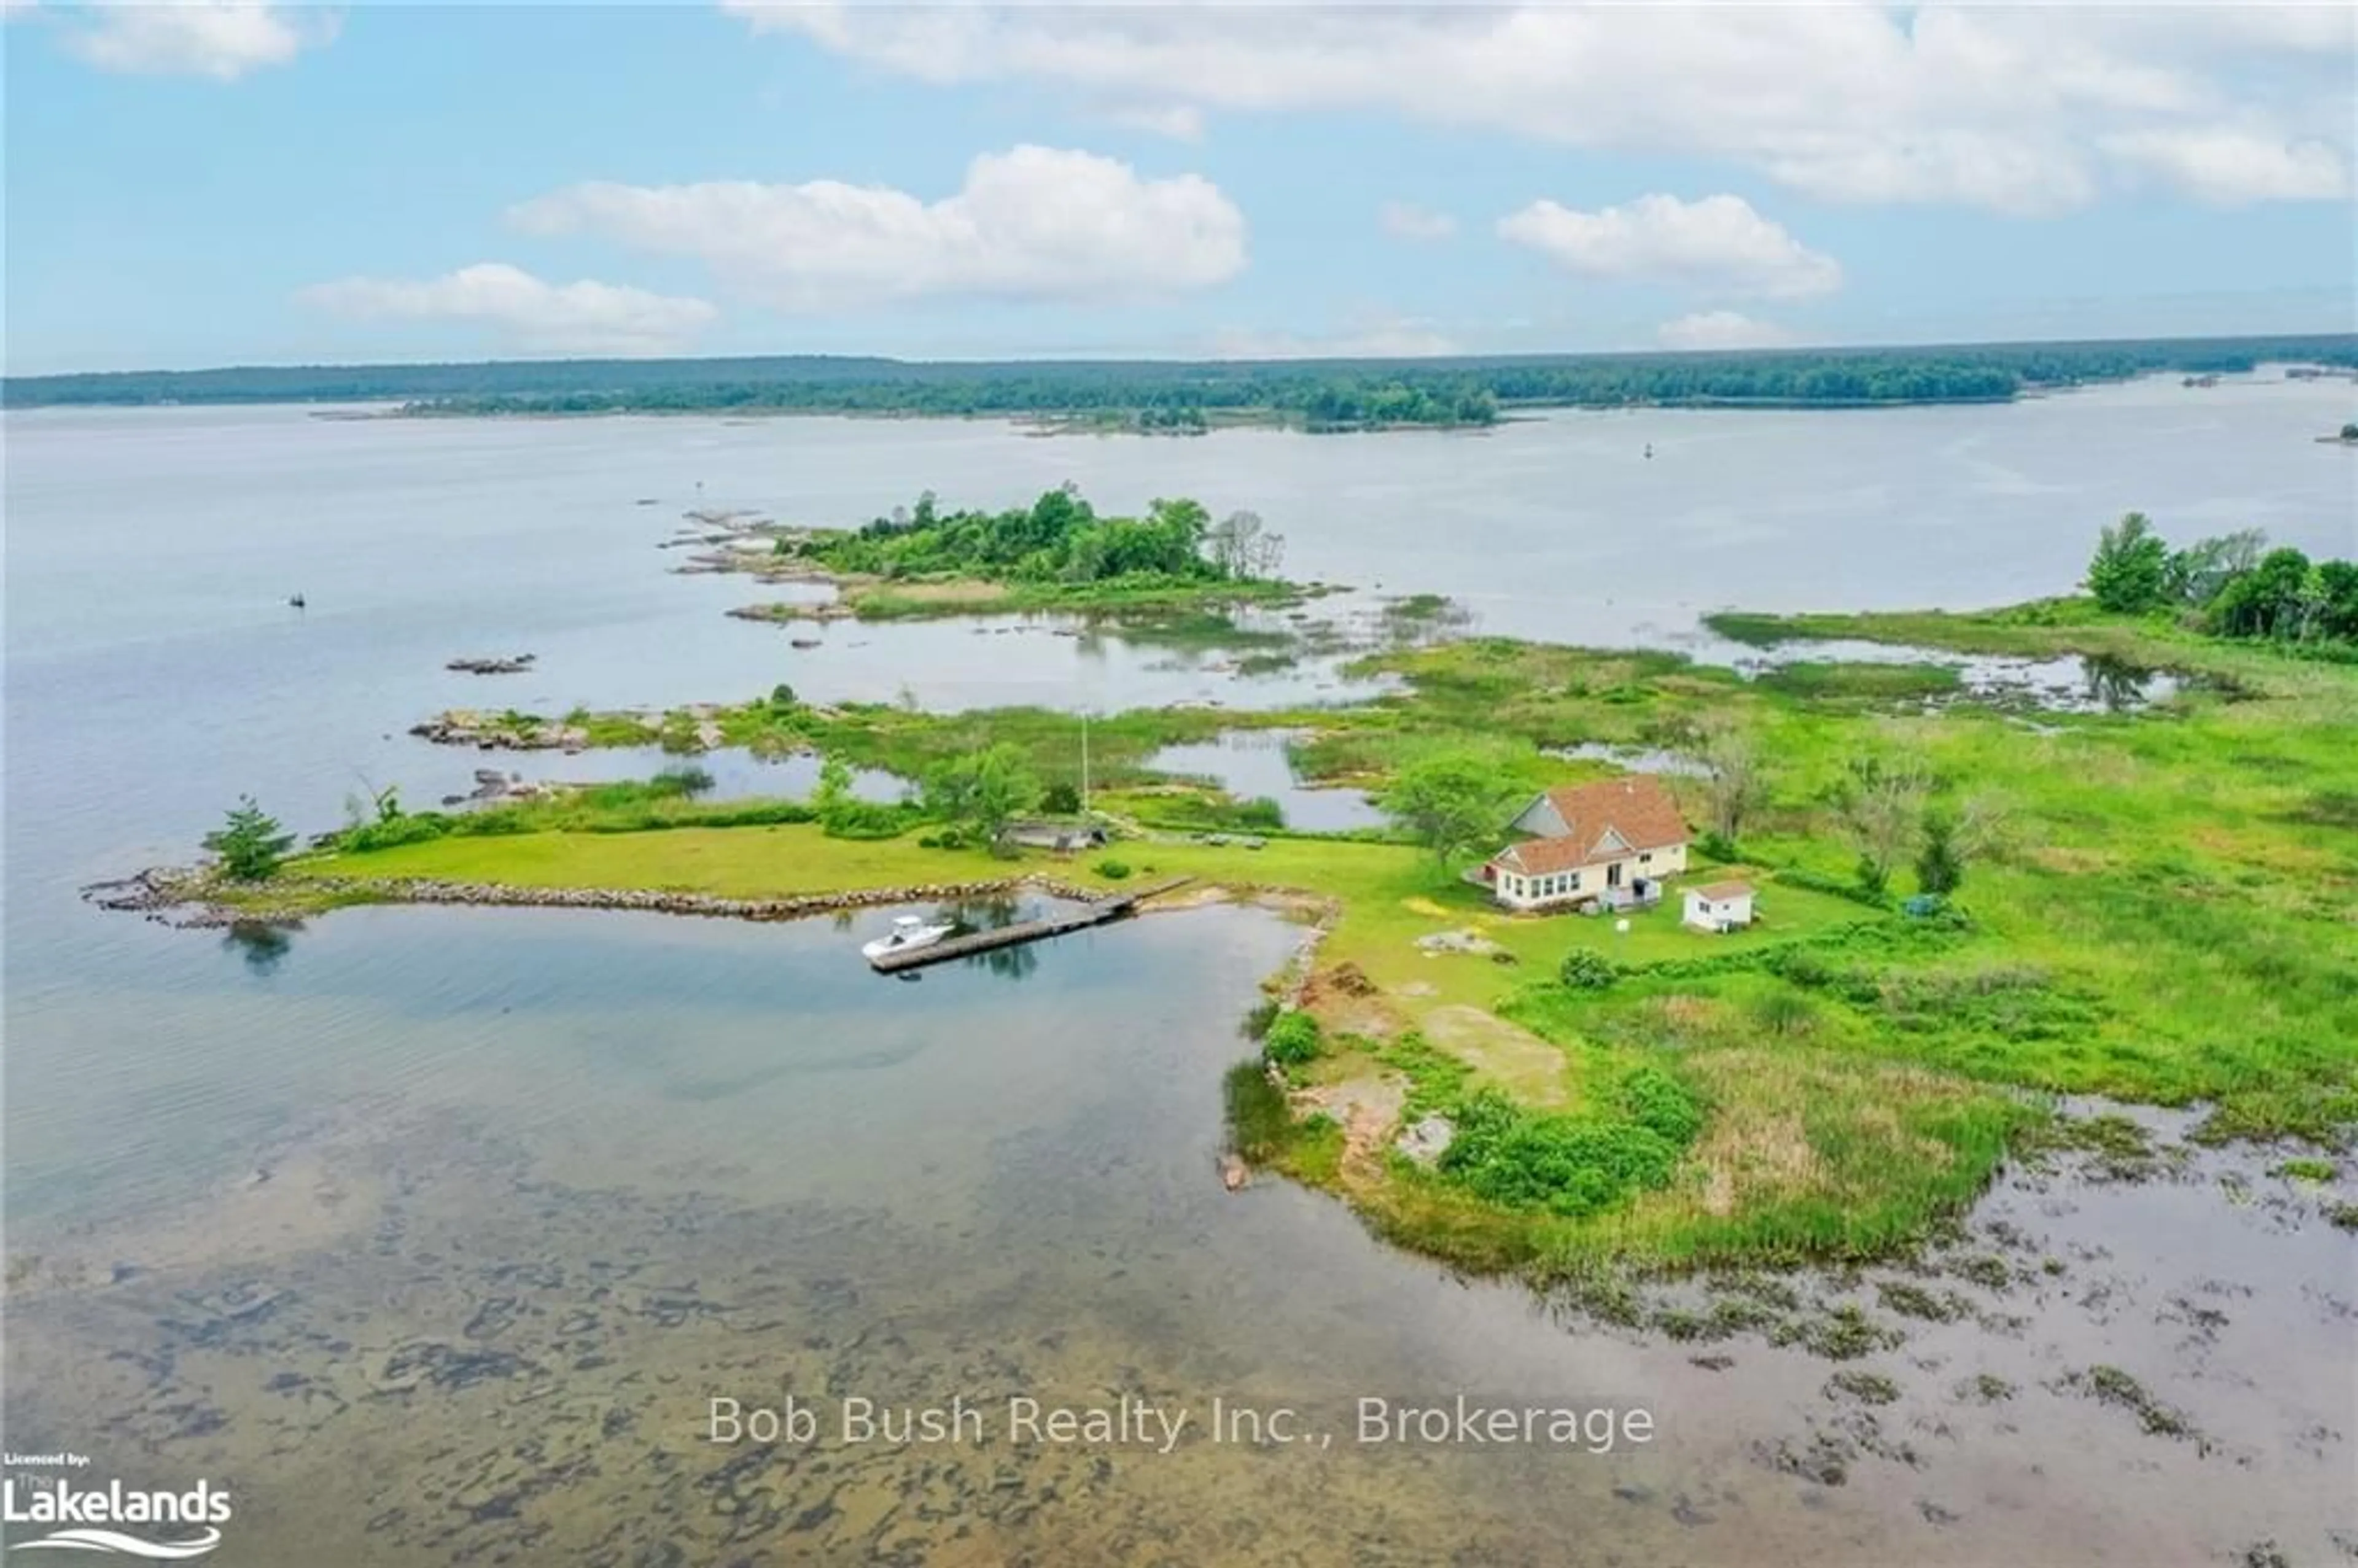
x: 1716, y: 845
x: 1584, y: 969
x: 1113, y: 869
x: 1257, y: 1021
x: 863, y: 820
x: 1293, y: 1040
x: 414, y: 827
x: 1659, y: 1103
x: 1941, y: 863
x: 1060, y: 799
x: 1561, y: 1164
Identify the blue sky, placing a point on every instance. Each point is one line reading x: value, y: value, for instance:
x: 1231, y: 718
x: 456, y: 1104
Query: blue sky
x: 216, y: 183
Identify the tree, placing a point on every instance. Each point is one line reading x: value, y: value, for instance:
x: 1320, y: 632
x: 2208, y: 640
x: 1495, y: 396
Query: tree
x: 1447, y: 802
x: 1233, y: 543
x: 2338, y: 614
x: 2275, y: 599
x: 251, y: 844
x: 1879, y: 804
x: 2127, y: 571
x: 2195, y: 575
x: 1939, y: 863
x: 834, y: 787
x: 982, y: 791
x: 1736, y: 784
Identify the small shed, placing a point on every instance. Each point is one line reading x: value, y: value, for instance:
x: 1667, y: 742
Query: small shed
x: 1719, y: 906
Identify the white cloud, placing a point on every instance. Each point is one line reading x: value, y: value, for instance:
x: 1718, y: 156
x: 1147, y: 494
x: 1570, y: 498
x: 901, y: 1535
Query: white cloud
x: 1374, y: 338
x: 1721, y: 330
x: 2000, y: 107
x: 1034, y: 223
x: 220, y: 38
x: 1407, y: 220
x: 1717, y: 242
x: 583, y: 317
x: 2234, y: 167
x: 1180, y: 121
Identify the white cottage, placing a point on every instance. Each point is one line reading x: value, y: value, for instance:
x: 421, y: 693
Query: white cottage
x: 1719, y: 906
x: 1610, y: 842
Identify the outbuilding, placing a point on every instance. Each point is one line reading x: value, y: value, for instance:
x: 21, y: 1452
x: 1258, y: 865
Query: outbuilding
x: 1719, y: 906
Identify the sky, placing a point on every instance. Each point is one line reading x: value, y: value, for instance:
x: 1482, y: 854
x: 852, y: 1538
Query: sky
x: 235, y: 183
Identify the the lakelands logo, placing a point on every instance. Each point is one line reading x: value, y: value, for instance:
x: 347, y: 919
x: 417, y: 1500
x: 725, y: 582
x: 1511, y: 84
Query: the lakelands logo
x: 156, y: 1524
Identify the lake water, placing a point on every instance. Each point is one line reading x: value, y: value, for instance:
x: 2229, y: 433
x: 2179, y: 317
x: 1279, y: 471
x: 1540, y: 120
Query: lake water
x: 431, y: 1232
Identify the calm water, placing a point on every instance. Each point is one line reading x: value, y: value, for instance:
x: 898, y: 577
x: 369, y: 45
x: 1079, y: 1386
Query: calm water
x: 431, y: 1232
x: 1252, y: 764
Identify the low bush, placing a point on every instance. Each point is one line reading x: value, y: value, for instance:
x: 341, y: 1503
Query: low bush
x: 1113, y: 869
x: 1564, y: 1165
x: 414, y: 828
x: 1584, y: 969
x: 1659, y: 1103
x: 1293, y: 1040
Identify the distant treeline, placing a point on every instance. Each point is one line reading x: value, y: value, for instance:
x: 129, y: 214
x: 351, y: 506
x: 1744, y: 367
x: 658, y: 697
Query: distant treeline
x: 1334, y: 395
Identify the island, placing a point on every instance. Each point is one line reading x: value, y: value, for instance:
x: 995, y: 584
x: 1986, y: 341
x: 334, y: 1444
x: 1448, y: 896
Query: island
x: 1058, y: 553
x: 1180, y: 397
x: 1648, y: 964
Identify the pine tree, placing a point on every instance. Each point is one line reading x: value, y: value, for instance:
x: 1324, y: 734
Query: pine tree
x: 251, y: 844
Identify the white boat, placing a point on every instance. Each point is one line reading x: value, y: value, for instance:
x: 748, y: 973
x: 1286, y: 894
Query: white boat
x: 908, y: 931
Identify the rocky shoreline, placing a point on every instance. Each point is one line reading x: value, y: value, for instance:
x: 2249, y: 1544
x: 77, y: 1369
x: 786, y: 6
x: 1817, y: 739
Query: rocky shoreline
x: 190, y: 898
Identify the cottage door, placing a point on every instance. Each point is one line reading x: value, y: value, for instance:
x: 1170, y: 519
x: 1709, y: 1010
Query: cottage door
x: 1613, y: 875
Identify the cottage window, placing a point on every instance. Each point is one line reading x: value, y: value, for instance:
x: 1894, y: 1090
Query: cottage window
x: 1575, y: 881
x: 1647, y: 858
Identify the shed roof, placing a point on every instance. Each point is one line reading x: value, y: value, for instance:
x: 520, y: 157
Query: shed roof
x: 1720, y: 892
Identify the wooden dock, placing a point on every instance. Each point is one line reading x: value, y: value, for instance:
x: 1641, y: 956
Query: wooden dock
x: 1023, y: 931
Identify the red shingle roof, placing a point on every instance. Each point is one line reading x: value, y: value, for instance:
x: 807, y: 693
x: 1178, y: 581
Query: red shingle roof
x: 1636, y: 806
x: 1545, y: 857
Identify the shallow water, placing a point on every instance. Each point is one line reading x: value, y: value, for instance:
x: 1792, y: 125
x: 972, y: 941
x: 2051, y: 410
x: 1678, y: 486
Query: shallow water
x: 1253, y: 765
x: 432, y: 1230
x: 519, y: 1193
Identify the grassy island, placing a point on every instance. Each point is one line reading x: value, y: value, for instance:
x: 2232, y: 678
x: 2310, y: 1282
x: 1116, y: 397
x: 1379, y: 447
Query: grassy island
x: 1058, y: 553
x: 2153, y: 902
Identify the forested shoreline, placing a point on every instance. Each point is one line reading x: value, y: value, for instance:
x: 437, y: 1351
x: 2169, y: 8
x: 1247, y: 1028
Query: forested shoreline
x: 1182, y: 397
